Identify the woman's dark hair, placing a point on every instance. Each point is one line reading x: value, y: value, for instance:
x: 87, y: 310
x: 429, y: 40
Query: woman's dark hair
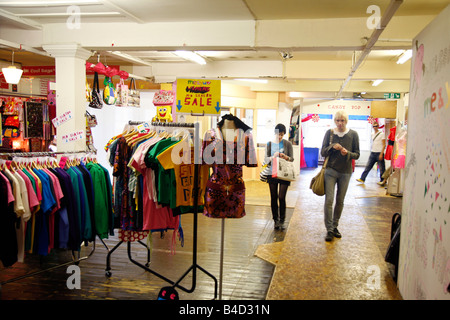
x: 280, y: 128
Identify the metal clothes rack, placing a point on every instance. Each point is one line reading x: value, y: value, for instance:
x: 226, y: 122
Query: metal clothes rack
x: 41, y: 154
x: 193, y: 268
x: 75, y: 260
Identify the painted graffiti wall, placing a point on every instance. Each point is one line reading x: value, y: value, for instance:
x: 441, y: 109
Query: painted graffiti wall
x: 424, y: 268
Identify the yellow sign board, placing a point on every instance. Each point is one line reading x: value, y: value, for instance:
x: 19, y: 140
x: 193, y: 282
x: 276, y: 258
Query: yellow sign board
x: 198, y: 96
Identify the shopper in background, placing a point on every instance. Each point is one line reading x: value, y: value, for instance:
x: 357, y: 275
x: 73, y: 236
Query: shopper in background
x: 341, y: 145
x: 376, y: 154
x: 278, y: 188
x: 52, y: 145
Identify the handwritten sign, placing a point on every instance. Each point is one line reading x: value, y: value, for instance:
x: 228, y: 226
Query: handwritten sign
x: 59, y: 120
x: 143, y: 128
x: 78, y: 135
x: 198, y: 96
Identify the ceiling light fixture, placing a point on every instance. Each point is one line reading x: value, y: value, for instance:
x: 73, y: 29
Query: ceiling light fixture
x: 405, y: 57
x: 377, y: 82
x: 12, y: 74
x: 190, y: 55
x: 48, y: 3
x: 293, y: 94
x: 253, y: 80
x: 129, y: 58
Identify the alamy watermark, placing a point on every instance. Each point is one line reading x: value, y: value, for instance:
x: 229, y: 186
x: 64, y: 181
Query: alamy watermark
x: 373, y: 22
x: 374, y: 280
x: 74, y: 280
x: 74, y: 19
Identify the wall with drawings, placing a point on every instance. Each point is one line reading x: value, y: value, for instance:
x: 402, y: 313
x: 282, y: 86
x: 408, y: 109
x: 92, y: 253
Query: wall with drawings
x: 424, y: 267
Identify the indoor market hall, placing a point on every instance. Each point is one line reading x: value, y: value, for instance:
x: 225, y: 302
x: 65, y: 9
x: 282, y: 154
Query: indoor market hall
x: 223, y: 152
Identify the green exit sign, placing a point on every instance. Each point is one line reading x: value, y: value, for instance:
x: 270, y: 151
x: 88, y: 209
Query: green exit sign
x: 392, y: 95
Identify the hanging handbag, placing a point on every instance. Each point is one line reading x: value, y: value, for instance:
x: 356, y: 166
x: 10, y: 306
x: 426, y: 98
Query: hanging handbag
x: 163, y: 98
x: 122, y: 94
x: 283, y: 169
x: 109, y: 93
x: 266, y: 172
x: 266, y: 168
x: 91, y: 120
x: 88, y: 93
x: 317, y: 184
x: 134, y: 99
x: 96, y: 102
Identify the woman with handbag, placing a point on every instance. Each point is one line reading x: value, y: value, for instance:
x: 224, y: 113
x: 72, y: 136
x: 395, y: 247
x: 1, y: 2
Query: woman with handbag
x: 281, y: 148
x: 341, y: 146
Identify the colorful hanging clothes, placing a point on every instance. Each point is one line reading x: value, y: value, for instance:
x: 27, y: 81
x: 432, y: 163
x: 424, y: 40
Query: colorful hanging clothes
x: 52, y: 208
x: 144, y: 185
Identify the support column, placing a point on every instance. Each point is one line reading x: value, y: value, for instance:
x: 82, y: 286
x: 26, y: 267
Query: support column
x: 70, y: 60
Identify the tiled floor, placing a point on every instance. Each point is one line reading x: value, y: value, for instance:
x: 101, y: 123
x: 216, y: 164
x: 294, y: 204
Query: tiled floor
x: 352, y: 267
x: 258, y: 262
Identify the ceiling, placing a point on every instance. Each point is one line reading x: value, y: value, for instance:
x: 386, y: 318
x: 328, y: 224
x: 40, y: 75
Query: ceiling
x: 299, y: 45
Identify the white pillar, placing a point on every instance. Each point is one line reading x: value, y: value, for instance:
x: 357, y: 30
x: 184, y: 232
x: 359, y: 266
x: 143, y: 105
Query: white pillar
x: 70, y: 60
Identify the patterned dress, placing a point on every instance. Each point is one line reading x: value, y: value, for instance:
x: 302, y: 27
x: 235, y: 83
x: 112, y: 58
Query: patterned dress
x: 225, y: 189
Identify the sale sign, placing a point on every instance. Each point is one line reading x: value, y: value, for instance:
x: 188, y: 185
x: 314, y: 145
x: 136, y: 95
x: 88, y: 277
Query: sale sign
x: 74, y: 136
x: 198, y: 96
x: 57, y: 121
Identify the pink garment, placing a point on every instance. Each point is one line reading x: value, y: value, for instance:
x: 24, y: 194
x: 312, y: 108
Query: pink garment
x: 155, y: 217
x: 10, y: 194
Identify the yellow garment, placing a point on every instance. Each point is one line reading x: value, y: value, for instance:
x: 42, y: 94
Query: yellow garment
x: 180, y: 157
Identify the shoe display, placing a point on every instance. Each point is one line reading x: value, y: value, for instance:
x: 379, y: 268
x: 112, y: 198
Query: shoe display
x: 336, y: 233
x: 360, y: 180
x: 329, y: 236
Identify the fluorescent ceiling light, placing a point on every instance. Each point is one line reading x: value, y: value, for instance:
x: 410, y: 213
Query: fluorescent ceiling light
x: 377, y: 82
x: 190, y: 55
x: 129, y: 58
x: 63, y: 14
x: 254, y: 80
x: 405, y: 57
x: 47, y: 3
x: 294, y: 94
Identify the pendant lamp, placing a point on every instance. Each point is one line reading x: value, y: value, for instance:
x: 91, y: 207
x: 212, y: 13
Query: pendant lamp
x: 12, y: 74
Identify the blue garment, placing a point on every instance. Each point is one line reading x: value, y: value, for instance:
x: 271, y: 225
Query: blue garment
x: 276, y: 147
x: 47, y: 203
x: 76, y: 202
x: 71, y: 232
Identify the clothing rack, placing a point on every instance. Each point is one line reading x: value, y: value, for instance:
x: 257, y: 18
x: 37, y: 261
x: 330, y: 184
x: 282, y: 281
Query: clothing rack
x: 75, y: 260
x: 41, y: 154
x: 193, y: 268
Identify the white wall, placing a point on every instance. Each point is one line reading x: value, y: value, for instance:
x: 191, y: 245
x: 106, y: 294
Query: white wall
x: 424, y: 268
x: 112, y: 120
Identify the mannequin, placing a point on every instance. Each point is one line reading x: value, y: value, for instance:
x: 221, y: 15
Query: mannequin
x: 228, y: 130
x: 232, y: 147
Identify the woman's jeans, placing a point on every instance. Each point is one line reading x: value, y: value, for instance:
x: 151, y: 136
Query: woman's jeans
x: 333, y: 178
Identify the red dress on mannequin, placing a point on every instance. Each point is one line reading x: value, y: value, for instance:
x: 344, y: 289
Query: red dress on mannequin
x: 390, y: 147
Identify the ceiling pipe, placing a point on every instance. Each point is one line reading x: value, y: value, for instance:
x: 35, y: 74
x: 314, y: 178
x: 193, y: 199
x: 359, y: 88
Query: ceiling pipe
x: 390, y: 11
